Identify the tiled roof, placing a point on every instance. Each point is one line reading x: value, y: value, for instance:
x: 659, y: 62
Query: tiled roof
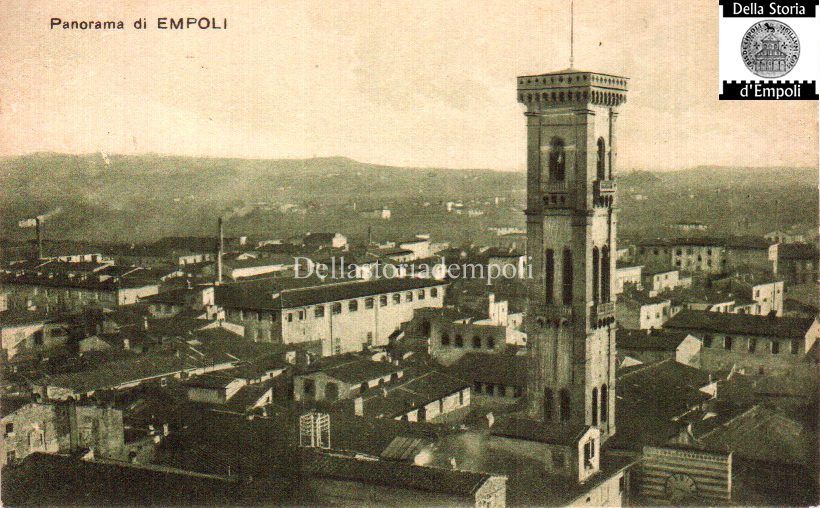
x: 786, y: 327
x: 242, y: 297
x: 355, y: 370
x: 392, y: 474
x: 23, y: 317
x: 536, y: 430
x: 86, y: 282
x: 417, y: 392
x: 736, y: 242
x: 640, y: 340
x: 501, y: 369
x: 798, y: 251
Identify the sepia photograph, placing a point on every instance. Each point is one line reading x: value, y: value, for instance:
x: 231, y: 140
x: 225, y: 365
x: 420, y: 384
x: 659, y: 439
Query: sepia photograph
x: 530, y: 253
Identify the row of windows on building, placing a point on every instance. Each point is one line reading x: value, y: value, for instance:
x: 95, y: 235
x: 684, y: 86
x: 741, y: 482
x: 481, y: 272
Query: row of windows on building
x: 332, y: 389
x: 677, y: 252
x: 458, y: 341
x: 751, y: 344
x: 335, y: 308
x: 497, y: 390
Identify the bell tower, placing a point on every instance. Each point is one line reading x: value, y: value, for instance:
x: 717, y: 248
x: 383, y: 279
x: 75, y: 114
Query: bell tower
x: 571, y: 231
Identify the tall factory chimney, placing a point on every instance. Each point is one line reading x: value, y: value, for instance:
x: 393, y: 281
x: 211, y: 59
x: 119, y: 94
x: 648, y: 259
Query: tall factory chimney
x: 38, y: 225
x: 219, y: 252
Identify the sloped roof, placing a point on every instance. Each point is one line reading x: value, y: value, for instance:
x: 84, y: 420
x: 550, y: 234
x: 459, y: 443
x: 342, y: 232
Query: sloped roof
x: 785, y: 327
x: 356, y: 370
x: 417, y: 392
x: 655, y: 340
x: 500, y: 369
x: 392, y: 474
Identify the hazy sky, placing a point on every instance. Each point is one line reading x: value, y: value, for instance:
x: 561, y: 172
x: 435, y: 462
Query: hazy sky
x: 417, y: 83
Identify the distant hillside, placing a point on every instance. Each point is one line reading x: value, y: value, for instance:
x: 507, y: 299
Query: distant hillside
x: 137, y: 198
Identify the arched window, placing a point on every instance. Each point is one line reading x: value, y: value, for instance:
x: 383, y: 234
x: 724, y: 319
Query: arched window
x: 604, y: 404
x: 548, y: 402
x: 459, y: 341
x: 594, y: 406
x: 476, y: 342
x: 564, y: 405
x: 596, y: 262
x: 601, y: 159
x: 445, y: 339
x: 605, y: 274
x: 567, y: 277
x: 549, y: 274
x: 557, y: 160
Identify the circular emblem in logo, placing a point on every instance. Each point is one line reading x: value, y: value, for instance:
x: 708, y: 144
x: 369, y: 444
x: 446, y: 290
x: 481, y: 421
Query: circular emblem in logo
x: 770, y: 49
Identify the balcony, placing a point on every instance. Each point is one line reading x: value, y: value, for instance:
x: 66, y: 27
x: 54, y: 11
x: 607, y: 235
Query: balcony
x: 603, y: 310
x: 605, y: 186
x: 554, y: 187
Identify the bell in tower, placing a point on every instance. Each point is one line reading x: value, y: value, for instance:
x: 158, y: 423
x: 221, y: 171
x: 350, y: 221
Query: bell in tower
x: 571, y: 242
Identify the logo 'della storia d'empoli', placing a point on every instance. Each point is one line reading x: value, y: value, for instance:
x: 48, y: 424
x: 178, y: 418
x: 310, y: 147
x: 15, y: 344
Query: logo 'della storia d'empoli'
x: 770, y: 49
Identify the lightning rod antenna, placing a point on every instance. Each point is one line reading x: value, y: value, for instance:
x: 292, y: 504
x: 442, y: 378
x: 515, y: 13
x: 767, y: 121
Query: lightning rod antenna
x: 572, y: 34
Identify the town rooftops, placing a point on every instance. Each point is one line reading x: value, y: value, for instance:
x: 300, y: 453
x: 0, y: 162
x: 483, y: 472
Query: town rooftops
x: 734, y: 242
x: 654, y: 340
x: 538, y: 431
x: 748, y: 324
x: 92, y: 282
x: 352, y: 369
x: 641, y: 299
x: 498, y: 369
x: 24, y: 317
x: 802, y: 251
x: 392, y: 474
x: 417, y: 392
x: 256, y: 298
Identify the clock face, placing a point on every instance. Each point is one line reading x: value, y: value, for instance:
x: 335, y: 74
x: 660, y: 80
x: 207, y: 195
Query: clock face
x: 680, y: 486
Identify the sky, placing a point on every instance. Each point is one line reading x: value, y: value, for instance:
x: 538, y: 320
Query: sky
x: 407, y: 83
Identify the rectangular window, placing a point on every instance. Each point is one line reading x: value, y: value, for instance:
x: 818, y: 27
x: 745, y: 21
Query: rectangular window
x: 408, y: 296
x: 567, y: 277
x: 383, y: 301
x: 775, y: 347
x: 353, y: 305
x: 421, y: 294
x: 319, y: 311
x: 336, y: 308
x: 396, y: 298
x: 301, y: 315
x: 433, y: 292
x: 727, y: 343
x: 368, y: 303
x: 290, y: 317
x: 752, y: 344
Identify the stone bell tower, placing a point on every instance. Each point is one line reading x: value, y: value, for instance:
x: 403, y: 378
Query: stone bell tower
x: 571, y: 231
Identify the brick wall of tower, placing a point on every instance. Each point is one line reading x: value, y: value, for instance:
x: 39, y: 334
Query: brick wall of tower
x: 572, y: 345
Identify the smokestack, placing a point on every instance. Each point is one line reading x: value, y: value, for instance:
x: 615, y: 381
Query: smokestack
x: 39, y: 229
x: 219, y: 252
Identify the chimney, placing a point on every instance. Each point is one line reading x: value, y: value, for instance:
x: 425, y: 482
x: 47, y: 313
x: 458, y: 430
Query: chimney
x: 39, y: 230
x: 220, y: 250
x: 358, y: 406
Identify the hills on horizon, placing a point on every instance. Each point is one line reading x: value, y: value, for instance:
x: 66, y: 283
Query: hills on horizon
x: 144, y: 197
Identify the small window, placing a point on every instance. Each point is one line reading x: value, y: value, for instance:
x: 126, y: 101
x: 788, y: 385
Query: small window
x: 459, y: 341
x: 477, y: 386
x: 9, y: 428
x: 309, y: 387
x: 396, y: 298
x: 383, y: 301
x: 421, y: 294
x: 408, y: 296
x: 319, y: 311
x: 775, y: 347
x: 433, y: 292
x: 491, y: 342
x: 445, y: 339
x: 353, y: 305
x: 290, y: 317
x: 476, y: 342
x: 707, y: 340
x: 336, y: 308
x: 301, y: 315
x: 795, y: 349
x: 752, y: 344
x: 727, y: 343
x: 461, y: 398
x: 368, y: 303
